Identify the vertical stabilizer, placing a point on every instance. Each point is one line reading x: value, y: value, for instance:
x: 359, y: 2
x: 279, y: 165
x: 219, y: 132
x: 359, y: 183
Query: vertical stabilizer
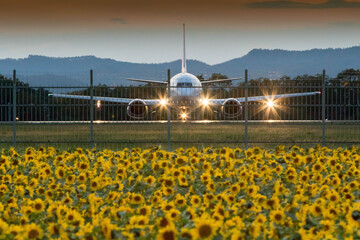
x: 183, y: 67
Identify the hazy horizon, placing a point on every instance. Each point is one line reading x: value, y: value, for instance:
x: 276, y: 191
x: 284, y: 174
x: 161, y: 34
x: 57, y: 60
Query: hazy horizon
x: 171, y: 60
x: 141, y: 31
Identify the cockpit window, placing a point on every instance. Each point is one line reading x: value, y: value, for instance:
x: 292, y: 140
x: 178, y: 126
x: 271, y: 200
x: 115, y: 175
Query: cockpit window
x: 184, y: 84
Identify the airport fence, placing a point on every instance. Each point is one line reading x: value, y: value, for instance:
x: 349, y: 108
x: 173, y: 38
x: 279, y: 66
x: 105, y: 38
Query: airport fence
x: 36, y: 116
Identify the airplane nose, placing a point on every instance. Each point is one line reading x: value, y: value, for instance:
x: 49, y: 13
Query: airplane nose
x: 186, y: 91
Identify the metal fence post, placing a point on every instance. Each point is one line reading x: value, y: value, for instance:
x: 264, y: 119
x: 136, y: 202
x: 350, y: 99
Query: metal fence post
x: 14, y: 108
x: 91, y: 110
x: 323, y: 108
x: 168, y: 113
x: 246, y: 109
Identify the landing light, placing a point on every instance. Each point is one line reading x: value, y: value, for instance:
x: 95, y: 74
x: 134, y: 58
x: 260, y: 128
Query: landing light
x: 163, y: 102
x: 205, y: 101
x: 98, y: 104
x: 183, y: 115
x: 270, y: 103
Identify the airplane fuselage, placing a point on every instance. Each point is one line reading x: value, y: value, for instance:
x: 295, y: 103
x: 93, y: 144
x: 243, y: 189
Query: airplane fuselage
x: 185, y: 87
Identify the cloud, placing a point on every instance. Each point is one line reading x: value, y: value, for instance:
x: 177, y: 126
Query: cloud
x: 290, y: 4
x: 119, y: 20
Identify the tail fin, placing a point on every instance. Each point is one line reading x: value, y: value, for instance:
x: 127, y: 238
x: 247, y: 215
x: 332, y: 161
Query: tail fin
x: 183, y: 67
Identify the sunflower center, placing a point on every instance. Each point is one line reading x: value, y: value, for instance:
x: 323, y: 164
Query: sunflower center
x: 55, y: 230
x: 168, y: 235
x: 205, y: 231
x: 38, y: 206
x: 278, y: 217
x: 89, y: 237
x: 143, y: 211
x: 221, y: 211
x: 164, y: 222
x: 180, y: 161
x: 356, y: 215
x: 33, y: 233
x: 186, y: 235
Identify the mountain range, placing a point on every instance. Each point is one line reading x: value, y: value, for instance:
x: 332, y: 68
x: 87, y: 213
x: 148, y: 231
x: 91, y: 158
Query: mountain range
x: 71, y: 71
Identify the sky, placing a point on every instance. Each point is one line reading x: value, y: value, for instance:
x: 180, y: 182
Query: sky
x: 150, y: 31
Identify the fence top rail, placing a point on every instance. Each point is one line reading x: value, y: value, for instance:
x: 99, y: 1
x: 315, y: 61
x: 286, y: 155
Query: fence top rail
x: 194, y: 87
x: 164, y: 87
x: 182, y: 122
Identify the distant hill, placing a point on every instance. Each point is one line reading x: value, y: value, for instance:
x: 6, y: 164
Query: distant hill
x: 277, y: 63
x: 71, y: 71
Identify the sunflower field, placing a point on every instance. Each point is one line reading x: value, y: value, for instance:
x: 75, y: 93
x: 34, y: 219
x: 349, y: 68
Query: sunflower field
x: 214, y: 193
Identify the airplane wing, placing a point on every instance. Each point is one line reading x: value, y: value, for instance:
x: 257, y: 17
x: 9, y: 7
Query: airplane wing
x: 107, y: 99
x: 219, y: 80
x: 147, y: 81
x: 263, y: 98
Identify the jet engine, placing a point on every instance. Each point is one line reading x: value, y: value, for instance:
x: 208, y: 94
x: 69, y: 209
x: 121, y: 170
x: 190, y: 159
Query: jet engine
x: 231, y: 108
x: 137, y: 109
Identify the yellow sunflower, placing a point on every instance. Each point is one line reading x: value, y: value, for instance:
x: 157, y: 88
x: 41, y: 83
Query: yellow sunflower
x: 149, y: 180
x: 144, y: 210
x: 107, y: 227
x: 70, y: 179
x: 33, y: 231
x: 60, y: 172
x: 204, y: 228
x: 53, y: 228
x: 195, y: 200
x: 353, y: 216
x: 277, y: 216
x: 272, y: 203
x: 15, y: 230
x: 186, y: 233
x: 180, y: 201
x: 165, y: 221
x: 137, y: 199
x: 38, y: 205
x: 168, y: 233
x: 317, y: 167
x: 317, y: 210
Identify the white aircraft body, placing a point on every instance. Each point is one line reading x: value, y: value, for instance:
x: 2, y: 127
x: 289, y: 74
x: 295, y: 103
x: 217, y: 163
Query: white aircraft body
x: 184, y: 88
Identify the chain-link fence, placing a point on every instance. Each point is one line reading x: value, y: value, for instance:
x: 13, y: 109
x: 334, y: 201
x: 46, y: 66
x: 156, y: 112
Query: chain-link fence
x: 153, y: 115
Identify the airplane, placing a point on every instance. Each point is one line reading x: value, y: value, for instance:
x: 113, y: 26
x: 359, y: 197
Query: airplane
x: 185, y: 96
